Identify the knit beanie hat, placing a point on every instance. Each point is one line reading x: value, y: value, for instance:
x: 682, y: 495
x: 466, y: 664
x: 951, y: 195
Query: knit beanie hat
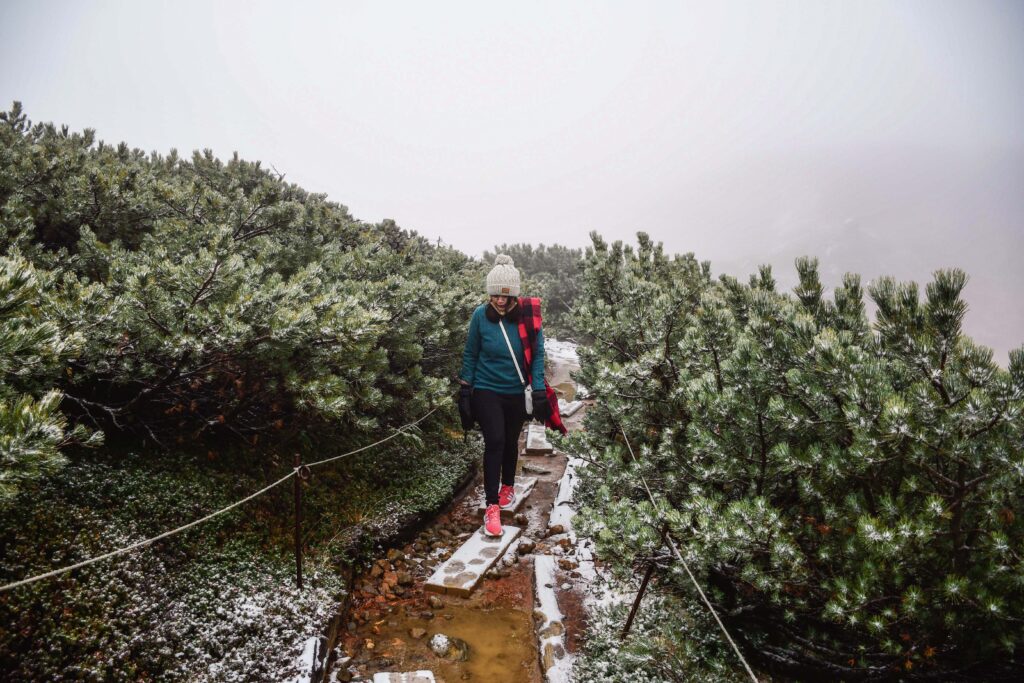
x: 503, y: 280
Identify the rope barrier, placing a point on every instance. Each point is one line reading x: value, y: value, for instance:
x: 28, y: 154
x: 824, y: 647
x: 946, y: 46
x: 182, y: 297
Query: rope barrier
x: 400, y: 430
x: 301, y: 471
x: 679, y: 557
x: 133, y: 546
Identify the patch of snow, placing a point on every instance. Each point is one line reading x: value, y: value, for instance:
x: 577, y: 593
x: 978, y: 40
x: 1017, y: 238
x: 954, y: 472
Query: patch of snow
x: 307, y: 660
x: 561, y: 350
x: 550, y: 636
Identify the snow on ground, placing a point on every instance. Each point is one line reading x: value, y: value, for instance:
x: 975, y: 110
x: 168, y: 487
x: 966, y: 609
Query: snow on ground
x: 307, y: 660
x: 557, y: 662
x: 564, y: 351
x: 598, y: 590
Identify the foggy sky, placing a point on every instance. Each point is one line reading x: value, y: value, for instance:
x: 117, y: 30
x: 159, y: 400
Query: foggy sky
x: 884, y: 138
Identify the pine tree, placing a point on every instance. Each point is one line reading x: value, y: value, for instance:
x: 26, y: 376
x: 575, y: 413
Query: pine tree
x: 849, y: 492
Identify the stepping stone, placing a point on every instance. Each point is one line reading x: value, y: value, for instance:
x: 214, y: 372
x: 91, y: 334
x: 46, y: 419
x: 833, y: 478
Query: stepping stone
x: 537, y: 441
x: 567, y: 409
x: 413, y: 677
x: 524, y: 487
x: 462, y: 573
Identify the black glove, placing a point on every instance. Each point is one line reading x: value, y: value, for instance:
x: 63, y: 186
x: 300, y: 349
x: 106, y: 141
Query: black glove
x: 541, y: 407
x: 466, y: 406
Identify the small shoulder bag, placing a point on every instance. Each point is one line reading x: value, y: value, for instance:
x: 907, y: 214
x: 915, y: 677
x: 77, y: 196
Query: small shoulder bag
x: 527, y: 392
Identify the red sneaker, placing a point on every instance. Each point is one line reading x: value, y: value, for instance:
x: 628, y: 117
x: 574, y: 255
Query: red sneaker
x: 492, y: 521
x: 506, y: 497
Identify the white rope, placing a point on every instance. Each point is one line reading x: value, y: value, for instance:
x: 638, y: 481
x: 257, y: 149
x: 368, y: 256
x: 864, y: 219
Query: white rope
x: 400, y: 430
x: 687, y: 568
x: 133, y: 546
x: 210, y: 516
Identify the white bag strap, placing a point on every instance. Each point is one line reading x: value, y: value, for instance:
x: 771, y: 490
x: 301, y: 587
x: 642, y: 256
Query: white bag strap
x: 513, y: 353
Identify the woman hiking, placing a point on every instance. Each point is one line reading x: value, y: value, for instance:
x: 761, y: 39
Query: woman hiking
x: 502, y: 363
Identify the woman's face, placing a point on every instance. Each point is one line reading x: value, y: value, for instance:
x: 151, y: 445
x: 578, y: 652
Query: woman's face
x: 500, y: 302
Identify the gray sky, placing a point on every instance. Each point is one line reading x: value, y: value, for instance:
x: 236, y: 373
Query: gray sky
x: 885, y: 138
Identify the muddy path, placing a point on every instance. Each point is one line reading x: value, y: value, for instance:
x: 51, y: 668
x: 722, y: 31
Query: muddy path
x: 492, y: 635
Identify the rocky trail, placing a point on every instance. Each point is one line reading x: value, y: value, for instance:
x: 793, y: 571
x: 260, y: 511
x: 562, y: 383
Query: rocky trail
x: 522, y: 620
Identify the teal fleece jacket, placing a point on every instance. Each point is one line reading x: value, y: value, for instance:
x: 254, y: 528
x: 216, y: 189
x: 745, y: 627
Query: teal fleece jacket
x: 486, y: 363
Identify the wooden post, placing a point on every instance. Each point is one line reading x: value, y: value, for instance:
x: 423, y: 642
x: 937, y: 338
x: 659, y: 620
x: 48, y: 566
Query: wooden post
x: 298, y: 522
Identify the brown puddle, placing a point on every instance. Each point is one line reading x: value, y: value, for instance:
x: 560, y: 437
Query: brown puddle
x: 502, y: 645
x: 566, y: 390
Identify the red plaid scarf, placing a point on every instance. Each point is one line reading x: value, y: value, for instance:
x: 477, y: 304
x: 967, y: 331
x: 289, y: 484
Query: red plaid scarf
x: 529, y: 324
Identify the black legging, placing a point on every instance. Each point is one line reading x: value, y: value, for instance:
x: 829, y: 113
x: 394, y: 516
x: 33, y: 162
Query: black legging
x: 501, y: 418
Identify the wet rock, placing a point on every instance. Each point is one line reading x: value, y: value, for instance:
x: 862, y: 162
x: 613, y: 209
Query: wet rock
x: 565, y: 543
x: 444, y: 533
x: 435, y: 602
x: 436, y: 545
x: 376, y: 571
x: 368, y: 644
x: 555, y: 628
x: 555, y: 530
x: 394, y: 554
x: 526, y: 546
x: 567, y: 565
x: 426, y: 614
x: 404, y: 578
x: 521, y: 519
x: 548, y: 658
x: 343, y: 675
x: 417, y: 633
x: 384, y: 662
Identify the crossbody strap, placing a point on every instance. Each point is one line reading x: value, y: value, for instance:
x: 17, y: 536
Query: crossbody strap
x: 511, y: 352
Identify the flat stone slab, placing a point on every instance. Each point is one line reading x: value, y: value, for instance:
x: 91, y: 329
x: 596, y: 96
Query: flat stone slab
x: 568, y: 408
x: 462, y: 573
x: 412, y: 677
x: 537, y: 441
x: 524, y: 487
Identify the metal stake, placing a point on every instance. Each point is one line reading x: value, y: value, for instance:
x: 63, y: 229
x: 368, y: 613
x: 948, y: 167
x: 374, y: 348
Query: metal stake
x: 652, y: 565
x: 636, y: 601
x: 298, y: 521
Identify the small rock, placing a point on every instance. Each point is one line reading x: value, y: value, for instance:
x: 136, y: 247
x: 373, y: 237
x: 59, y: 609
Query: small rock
x: 394, y: 554
x: 404, y: 578
x: 526, y: 546
x: 417, y: 632
x: 567, y: 565
x: 440, y: 644
x: 555, y: 628
x: 449, y: 617
x: 376, y: 571
x: 435, y: 602
x: 555, y: 530
x: 426, y: 614
x: 368, y: 644
x: 521, y: 519
x: 565, y: 543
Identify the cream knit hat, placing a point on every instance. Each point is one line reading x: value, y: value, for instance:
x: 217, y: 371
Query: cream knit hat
x: 503, y: 280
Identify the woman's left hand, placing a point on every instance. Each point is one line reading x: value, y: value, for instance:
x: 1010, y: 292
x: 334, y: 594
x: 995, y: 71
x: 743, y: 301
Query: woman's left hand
x: 541, y: 407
